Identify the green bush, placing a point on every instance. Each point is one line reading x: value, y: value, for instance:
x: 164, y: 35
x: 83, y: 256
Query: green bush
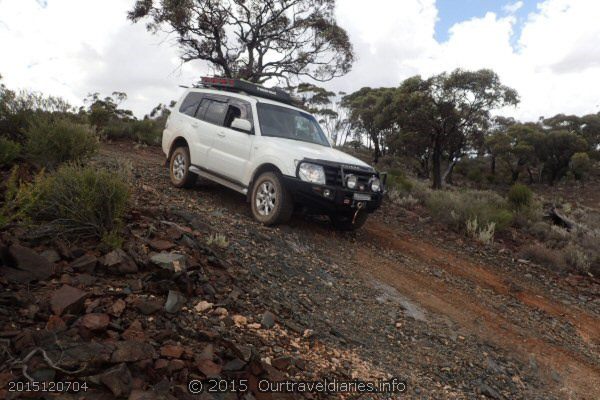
x: 457, y: 208
x: 17, y: 198
x: 9, y: 151
x: 146, y: 131
x: 580, y: 166
x: 80, y: 202
x: 520, y: 196
x: 397, y: 180
x: 52, y: 142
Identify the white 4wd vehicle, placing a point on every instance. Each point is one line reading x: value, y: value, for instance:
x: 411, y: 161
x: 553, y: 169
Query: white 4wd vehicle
x: 252, y: 140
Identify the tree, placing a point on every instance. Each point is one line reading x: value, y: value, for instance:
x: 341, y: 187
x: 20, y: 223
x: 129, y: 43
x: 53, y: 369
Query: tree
x: 580, y: 166
x: 517, y: 148
x: 371, y: 111
x: 451, y: 110
x: 320, y: 102
x: 102, y: 111
x: 559, y: 147
x: 255, y: 39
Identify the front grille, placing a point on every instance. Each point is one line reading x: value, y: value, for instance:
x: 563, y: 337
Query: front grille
x: 333, y: 177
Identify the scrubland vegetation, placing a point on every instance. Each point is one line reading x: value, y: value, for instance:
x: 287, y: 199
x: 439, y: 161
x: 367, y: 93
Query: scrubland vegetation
x: 487, y: 170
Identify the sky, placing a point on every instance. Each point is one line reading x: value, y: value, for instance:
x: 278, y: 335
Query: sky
x: 548, y: 50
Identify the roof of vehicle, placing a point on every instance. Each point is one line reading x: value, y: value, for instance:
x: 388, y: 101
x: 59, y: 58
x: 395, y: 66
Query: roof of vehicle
x: 243, y: 96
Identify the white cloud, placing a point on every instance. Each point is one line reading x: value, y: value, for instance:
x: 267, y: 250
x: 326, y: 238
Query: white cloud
x: 73, y: 47
x: 70, y: 48
x: 512, y: 8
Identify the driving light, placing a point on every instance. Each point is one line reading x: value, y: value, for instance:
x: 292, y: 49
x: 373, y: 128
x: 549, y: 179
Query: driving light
x: 312, y: 173
x: 351, y: 181
x: 375, y: 185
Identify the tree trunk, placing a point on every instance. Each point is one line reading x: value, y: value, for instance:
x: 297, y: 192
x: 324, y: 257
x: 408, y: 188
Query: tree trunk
x: 515, y: 175
x: 530, y: 175
x: 493, y: 166
x: 377, y: 152
x: 448, y: 173
x: 437, y: 166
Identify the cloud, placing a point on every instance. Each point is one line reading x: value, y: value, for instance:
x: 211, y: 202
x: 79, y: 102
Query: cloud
x: 512, y: 8
x: 73, y: 47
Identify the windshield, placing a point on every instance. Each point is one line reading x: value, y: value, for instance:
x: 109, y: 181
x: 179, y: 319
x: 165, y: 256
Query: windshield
x: 287, y: 123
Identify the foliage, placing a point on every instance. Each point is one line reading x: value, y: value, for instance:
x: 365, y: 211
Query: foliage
x: 18, y: 198
x: 451, y: 110
x: 51, y: 142
x: 520, y: 196
x: 456, y: 208
x: 102, y: 111
x: 559, y: 147
x: 9, y: 151
x: 255, y: 39
x: 17, y: 110
x: 218, y: 240
x: 372, y: 112
x: 544, y: 256
x: 146, y: 131
x: 80, y: 202
x: 580, y: 165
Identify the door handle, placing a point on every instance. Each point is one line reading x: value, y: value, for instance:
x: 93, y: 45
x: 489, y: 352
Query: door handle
x: 221, y: 134
x: 194, y: 124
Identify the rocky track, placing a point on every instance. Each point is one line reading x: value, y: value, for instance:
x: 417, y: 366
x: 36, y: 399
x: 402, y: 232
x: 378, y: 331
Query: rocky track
x: 455, y: 320
x: 398, y: 298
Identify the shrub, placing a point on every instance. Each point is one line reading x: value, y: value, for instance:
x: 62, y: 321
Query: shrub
x: 397, y: 180
x: 9, y: 151
x: 544, y: 256
x: 81, y: 202
x: 580, y: 165
x: 52, y: 142
x: 218, y: 240
x: 520, y: 196
x: 146, y: 131
x: 456, y: 208
x: 18, y: 198
x: 577, y: 259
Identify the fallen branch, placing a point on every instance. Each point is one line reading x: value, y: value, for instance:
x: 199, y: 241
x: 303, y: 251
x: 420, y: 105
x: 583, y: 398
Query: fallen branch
x: 50, y: 363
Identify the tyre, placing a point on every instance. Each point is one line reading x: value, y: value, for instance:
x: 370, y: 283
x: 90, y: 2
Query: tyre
x: 179, y: 168
x: 343, y: 222
x: 270, y: 201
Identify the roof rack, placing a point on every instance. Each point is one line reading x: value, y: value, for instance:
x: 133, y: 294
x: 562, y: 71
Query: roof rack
x: 239, y: 85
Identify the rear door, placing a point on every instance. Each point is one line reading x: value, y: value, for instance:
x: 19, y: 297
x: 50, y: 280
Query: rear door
x: 199, y: 137
x: 231, y: 150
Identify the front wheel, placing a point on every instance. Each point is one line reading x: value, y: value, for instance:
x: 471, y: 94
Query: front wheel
x: 271, y: 203
x: 347, y: 222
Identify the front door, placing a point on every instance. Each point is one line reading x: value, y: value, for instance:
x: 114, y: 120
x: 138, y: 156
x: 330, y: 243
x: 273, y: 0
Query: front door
x: 231, y: 149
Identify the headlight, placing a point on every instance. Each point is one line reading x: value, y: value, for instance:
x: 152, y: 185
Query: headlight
x: 375, y: 185
x: 351, y: 181
x: 312, y: 173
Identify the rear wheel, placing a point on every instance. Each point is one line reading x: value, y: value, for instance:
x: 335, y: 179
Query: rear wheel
x: 343, y: 222
x: 179, y: 168
x: 271, y: 202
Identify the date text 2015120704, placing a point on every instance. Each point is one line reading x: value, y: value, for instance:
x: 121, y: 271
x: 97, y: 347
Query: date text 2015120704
x: 49, y: 387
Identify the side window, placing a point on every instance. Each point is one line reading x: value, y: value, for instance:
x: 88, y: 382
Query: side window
x: 190, y: 104
x: 238, y: 109
x: 202, y: 109
x: 215, y: 113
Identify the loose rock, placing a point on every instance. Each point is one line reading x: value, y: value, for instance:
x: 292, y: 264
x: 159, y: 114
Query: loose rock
x: 67, y: 300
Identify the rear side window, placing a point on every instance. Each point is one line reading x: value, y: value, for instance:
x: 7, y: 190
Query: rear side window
x: 190, y: 104
x: 215, y: 113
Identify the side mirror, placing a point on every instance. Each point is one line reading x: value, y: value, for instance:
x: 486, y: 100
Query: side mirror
x: 241, y: 125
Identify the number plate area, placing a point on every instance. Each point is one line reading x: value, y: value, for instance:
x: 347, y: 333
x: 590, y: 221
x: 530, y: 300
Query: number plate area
x: 362, y: 197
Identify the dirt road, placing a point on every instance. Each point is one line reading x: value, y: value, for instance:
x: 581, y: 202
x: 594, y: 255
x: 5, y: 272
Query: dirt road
x: 453, y: 319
